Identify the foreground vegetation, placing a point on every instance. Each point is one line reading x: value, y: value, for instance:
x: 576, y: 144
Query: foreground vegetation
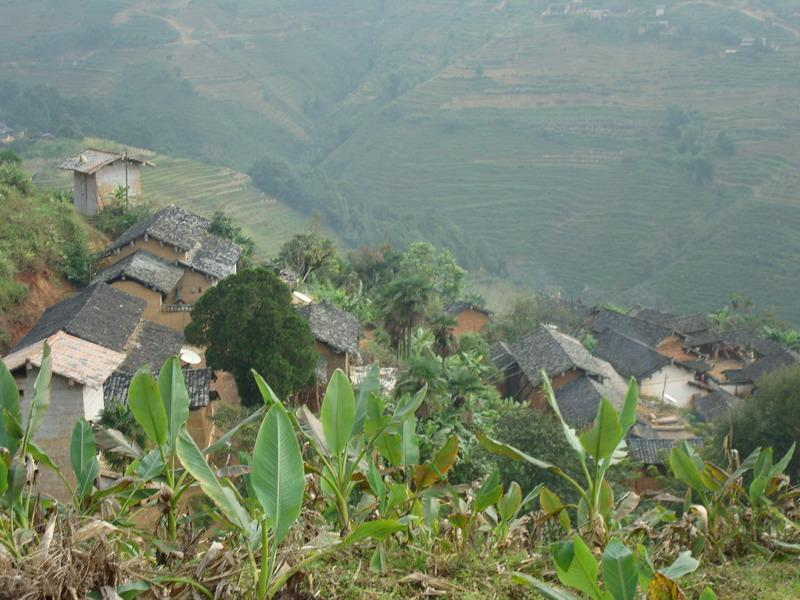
x: 317, y: 500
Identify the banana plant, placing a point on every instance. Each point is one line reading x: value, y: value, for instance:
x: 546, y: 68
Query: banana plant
x: 620, y: 575
x: 19, y: 451
x: 350, y: 429
x: 597, y: 450
x: 277, y: 480
x: 723, y: 495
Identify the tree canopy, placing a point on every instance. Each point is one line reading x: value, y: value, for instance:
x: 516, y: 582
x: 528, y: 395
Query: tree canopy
x: 247, y: 322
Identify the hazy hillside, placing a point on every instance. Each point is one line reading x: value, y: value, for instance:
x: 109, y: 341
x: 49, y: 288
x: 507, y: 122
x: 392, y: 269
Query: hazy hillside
x: 543, y: 141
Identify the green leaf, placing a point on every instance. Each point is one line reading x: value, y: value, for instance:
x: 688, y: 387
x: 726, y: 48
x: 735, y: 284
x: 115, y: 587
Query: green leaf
x: 708, y: 594
x: 379, y: 529
x: 112, y: 440
x: 147, y: 407
x: 507, y: 451
x: 83, y: 455
x: 150, y: 465
x: 627, y: 417
x: 685, y: 468
x: 408, y: 405
x: 429, y: 473
x: 580, y: 572
x: 569, y: 432
x: 338, y: 412
x: 371, y: 384
x: 3, y: 477
x: 375, y: 481
x: 619, y: 571
x: 41, y: 394
x: 508, y: 506
x: 552, y: 506
x: 267, y: 395
x: 278, y: 477
x: 195, y: 463
x: 410, y: 443
x: 311, y: 427
x: 602, y: 439
x: 9, y: 410
x: 683, y: 565
x: 490, y: 492
x: 41, y: 457
x: 781, y: 465
x: 174, y: 395
x: 542, y: 588
x: 377, y: 562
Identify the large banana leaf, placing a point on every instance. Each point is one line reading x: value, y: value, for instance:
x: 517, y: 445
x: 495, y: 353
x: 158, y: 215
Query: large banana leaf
x: 601, y: 440
x: 41, y: 394
x: 147, y: 407
x: 175, y: 397
x: 9, y: 410
x: 619, y: 571
x: 278, y: 477
x: 224, y: 497
x: 83, y: 455
x: 338, y: 412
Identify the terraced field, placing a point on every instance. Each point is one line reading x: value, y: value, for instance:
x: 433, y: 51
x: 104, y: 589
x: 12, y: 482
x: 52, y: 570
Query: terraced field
x: 198, y: 187
x: 542, y: 138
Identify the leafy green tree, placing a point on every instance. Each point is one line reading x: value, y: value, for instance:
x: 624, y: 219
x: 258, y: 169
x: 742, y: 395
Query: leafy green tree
x: 118, y: 215
x: 524, y: 314
x: 403, y: 304
x: 307, y: 252
x: 439, y: 267
x: 768, y: 418
x: 223, y: 226
x: 444, y: 342
x: 247, y: 322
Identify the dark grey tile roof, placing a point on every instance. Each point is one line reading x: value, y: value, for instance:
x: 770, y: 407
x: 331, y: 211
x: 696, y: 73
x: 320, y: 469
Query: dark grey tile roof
x: 92, y: 160
x: 141, y: 266
x: 459, y: 307
x: 579, y: 399
x: 99, y: 314
x: 151, y: 344
x: 556, y: 353
x: 214, y: 256
x: 650, y: 314
x: 332, y: 326
x: 207, y: 253
x: 639, y: 329
x: 683, y: 324
x: 197, y: 381
x: 767, y: 364
x: 715, y: 405
x: 654, y: 451
x: 628, y: 356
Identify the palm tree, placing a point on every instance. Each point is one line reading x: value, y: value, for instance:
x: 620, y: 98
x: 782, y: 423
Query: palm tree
x: 444, y: 342
x: 403, y: 304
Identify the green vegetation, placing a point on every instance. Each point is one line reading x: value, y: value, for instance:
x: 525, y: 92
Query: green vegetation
x: 599, y: 155
x: 247, y: 322
x: 39, y: 231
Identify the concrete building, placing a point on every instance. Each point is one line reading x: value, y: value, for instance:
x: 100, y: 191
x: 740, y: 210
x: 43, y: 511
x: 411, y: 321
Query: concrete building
x: 98, y: 173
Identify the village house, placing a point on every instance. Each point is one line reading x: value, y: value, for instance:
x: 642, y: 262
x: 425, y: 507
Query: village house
x: 94, y: 334
x: 336, y: 332
x: 658, y: 376
x: 469, y: 318
x: 649, y: 333
x: 169, y: 259
x: 579, y: 380
x: 98, y: 173
x: 715, y: 406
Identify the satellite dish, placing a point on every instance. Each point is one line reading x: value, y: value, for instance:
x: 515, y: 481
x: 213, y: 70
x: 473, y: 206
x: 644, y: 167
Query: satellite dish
x: 190, y: 357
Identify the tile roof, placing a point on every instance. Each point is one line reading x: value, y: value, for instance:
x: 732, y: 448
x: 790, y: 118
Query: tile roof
x: 172, y: 225
x: 555, y: 352
x: 99, y: 314
x: 764, y: 365
x: 654, y: 452
x: 197, y: 381
x: 72, y: 357
x: 628, y: 356
x: 145, y: 268
x: 639, y: 329
x: 579, y: 399
x: 715, y: 405
x: 683, y: 324
x: 150, y: 344
x: 332, y: 326
x: 91, y: 160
